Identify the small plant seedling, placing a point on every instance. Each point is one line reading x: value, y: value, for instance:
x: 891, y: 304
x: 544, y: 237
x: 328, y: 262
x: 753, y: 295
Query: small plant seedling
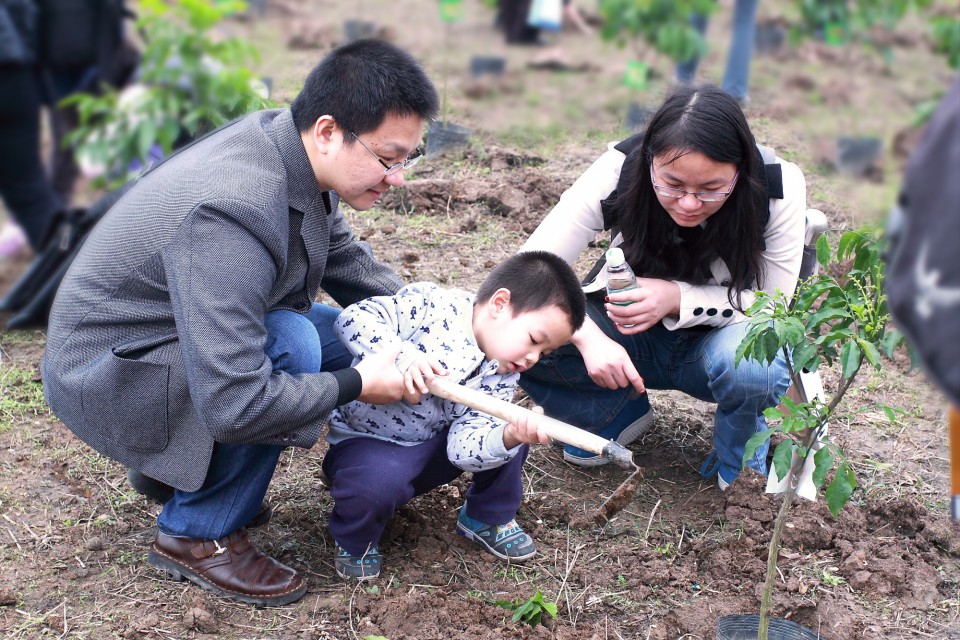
x: 530, y: 612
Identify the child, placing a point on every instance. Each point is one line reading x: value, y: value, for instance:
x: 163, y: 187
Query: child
x: 382, y: 456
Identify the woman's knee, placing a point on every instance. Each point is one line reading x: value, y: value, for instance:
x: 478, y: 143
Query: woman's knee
x: 745, y: 379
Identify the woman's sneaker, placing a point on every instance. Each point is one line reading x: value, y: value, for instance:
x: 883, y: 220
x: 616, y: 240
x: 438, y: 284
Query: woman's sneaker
x: 631, y: 432
x: 506, y: 541
x: 362, y: 567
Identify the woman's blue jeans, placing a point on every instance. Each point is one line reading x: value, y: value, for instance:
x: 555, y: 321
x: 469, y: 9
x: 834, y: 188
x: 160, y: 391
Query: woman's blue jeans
x: 239, y: 474
x: 699, y: 362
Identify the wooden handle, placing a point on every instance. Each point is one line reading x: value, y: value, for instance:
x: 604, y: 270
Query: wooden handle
x: 510, y: 412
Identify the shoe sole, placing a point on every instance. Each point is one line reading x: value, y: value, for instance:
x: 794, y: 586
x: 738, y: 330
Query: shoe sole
x: 470, y: 535
x: 633, y: 431
x: 179, y: 572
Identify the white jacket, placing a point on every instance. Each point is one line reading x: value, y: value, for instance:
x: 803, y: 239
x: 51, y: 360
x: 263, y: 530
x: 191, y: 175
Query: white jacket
x: 577, y: 219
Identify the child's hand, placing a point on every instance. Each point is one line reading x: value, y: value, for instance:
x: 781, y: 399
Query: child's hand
x: 526, y: 429
x: 416, y: 376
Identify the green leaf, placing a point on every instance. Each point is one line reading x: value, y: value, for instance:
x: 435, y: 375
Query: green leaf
x: 783, y: 457
x: 823, y: 463
x: 850, y: 357
x: 870, y: 351
x: 840, y: 489
x: 757, y: 439
x: 826, y: 314
x: 823, y: 251
x: 805, y: 357
x: 891, y: 340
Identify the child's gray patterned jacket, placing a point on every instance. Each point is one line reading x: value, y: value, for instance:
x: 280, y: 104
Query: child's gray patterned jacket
x: 439, y: 323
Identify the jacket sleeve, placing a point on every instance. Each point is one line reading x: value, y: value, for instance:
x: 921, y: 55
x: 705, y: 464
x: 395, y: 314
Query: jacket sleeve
x: 708, y: 304
x: 475, y: 441
x: 370, y: 325
x: 576, y: 219
x: 352, y: 273
x: 220, y: 275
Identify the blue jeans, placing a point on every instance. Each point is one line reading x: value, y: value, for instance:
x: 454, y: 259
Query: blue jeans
x: 239, y: 474
x: 736, y: 77
x: 698, y: 362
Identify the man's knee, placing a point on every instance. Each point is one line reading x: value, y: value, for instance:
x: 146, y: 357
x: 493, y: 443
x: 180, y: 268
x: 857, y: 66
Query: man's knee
x: 293, y: 344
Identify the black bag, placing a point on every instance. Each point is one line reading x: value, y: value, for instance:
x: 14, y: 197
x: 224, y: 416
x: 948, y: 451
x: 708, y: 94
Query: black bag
x: 923, y: 270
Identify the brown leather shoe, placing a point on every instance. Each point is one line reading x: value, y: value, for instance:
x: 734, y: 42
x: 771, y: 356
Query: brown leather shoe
x: 230, y: 567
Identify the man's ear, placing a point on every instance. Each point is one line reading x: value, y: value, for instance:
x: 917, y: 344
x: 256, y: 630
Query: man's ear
x: 325, y: 133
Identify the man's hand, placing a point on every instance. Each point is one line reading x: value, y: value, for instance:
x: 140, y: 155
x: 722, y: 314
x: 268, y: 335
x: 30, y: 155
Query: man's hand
x: 526, y: 429
x: 382, y: 381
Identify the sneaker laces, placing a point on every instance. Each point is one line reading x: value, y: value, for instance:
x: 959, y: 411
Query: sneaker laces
x: 711, y: 466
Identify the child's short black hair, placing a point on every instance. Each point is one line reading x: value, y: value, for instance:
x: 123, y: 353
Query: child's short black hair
x: 537, y: 279
x: 360, y: 83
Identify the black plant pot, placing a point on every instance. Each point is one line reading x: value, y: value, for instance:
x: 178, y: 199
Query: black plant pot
x: 445, y: 137
x: 855, y: 156
x: 356, y: 29
x: 637, y: 117
x: 769, y: 38
x: 744, y: 627
x: 487, y: 65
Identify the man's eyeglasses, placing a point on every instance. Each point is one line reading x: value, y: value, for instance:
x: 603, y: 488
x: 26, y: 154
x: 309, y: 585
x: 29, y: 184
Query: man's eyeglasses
x: 389, y: 169
x: 702, y: 196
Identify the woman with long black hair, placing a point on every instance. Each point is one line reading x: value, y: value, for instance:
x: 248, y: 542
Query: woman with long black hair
x: 706, y: 218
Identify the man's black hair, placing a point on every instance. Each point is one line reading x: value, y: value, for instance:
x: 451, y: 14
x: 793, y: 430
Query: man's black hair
x: 360, y: 83
x: 536, y: 280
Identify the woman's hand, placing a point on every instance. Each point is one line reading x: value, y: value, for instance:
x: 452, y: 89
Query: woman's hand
x: 525, y: 429
x: 607, y: 362
x: 648, y: 305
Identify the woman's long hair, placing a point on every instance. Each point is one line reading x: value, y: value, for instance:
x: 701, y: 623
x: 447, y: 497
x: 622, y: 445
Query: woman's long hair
x: 704, y: 120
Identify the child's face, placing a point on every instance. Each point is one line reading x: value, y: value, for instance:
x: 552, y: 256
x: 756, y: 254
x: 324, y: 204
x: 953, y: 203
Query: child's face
x: 518, y: 341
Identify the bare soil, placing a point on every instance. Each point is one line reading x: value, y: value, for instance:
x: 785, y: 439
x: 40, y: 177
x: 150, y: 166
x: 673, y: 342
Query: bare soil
x: 681, y: 554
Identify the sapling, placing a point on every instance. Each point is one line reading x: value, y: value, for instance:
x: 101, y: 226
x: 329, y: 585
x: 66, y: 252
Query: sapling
x: 530, y: 611
x: 830, y: 319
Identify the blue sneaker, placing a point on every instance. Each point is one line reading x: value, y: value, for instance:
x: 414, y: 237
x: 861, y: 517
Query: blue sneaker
x: 362, y: 567
x: 506, y: 541
x: 631, y: 432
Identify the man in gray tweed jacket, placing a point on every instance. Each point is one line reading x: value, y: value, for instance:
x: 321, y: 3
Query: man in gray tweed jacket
x: 185, y: 342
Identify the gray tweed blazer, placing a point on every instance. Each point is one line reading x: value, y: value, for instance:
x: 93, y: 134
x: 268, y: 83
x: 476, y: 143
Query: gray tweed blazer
x: 155, y: 345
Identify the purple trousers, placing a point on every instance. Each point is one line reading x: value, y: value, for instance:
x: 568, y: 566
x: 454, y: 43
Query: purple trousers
x: 371, y: 478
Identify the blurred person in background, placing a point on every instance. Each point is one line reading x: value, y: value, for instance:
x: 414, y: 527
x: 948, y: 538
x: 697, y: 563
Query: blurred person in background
x: 736, y: 76
x: 184, y: 340
x: 81, y: 49
x: 27, y: 194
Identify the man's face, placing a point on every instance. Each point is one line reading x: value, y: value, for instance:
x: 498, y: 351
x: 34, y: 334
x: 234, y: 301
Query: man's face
x: 353, y: 171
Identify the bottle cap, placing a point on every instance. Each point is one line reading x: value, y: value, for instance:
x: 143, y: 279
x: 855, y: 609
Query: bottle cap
x: 614, y: 256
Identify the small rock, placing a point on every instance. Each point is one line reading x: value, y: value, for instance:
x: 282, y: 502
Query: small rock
x: 93, y: 544
x: 8, y: 597
x: 200, y: 619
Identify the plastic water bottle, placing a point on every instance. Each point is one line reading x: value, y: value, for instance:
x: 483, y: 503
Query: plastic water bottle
x: 620, y: 276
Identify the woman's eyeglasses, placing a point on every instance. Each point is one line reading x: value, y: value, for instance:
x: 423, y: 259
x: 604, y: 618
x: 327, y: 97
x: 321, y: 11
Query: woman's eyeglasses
x: 389, y: 169
x: 702, y: 196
